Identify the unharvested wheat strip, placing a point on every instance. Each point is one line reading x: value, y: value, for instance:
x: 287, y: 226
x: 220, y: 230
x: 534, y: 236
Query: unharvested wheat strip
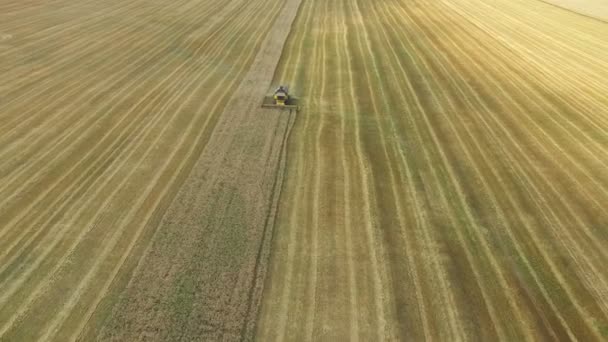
x: 233, y: 116
x: 187, y: 87
x: 286, y: 293
x: 459, y: 192
x: 566, y: 288
x: 589, y: 263
x: 59, y: 319
x: 126, y: 253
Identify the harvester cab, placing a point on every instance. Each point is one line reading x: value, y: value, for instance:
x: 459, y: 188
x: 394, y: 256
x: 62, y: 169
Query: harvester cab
x: 281, y: 95
x: 281, y: 99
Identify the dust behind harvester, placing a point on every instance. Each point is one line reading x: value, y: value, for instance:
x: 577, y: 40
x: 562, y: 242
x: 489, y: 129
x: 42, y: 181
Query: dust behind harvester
x: 280, y: 99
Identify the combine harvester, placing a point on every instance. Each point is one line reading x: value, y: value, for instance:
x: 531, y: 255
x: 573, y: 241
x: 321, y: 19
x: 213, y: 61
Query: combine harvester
x: 281, y: 99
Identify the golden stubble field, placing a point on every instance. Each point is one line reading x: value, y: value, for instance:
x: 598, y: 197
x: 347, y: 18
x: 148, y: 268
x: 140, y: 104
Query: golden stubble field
x: 445, y: 179
x: 448, y: 177
x: 107, y: 109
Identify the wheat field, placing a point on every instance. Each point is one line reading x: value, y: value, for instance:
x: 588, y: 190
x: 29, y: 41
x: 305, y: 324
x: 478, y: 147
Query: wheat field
x: 445, y: 177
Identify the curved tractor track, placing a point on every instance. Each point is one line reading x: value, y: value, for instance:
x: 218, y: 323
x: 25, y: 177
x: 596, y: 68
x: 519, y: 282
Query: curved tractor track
x: 447, y: 176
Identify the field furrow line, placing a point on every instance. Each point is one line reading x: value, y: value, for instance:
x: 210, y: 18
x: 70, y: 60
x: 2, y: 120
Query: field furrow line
x: 126, y: 178
x: 318, y: 58
x: 580, y: 253
x: 375, y: 248
x: 470, y: 217
x: 218, y: 50
x: 464, y: 206
x: 159, y: 48
x: 540, y: 145
x: 151, y: 123
x: 574, y: 83
x: 472, y: 162
x: 343, y: 63
x: 515, y: 164
x: 130, y: 215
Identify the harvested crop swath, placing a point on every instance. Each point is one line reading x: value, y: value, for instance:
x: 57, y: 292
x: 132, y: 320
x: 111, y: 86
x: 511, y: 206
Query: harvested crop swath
x: 447, y: 176
x: 202, y: 276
